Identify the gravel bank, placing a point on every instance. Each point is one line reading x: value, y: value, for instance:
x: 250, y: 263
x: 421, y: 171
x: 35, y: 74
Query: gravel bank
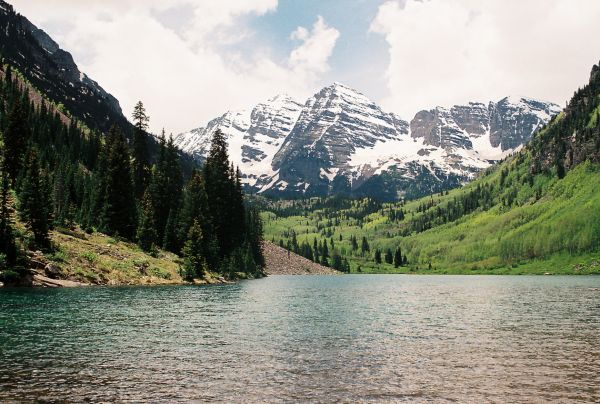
x: 280, y: 262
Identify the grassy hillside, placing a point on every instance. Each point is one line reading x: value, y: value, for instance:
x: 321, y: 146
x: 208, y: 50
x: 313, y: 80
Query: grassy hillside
x: 551, y: 225
x: 97, y: 259
x: 536, y: 212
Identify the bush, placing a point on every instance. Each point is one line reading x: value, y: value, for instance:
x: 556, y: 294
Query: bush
x: 89, y: 256
x: 10, y: 277
x: 160, y: 273
x: 58, y: 256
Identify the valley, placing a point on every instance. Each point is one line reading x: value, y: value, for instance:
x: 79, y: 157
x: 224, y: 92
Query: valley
x: 537, y: 211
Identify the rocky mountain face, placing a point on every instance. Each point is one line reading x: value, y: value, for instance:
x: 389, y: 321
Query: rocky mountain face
x: 340, y: 142
x: 53, y: 71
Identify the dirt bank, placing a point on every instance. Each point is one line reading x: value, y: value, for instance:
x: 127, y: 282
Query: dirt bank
x: 281, y: 262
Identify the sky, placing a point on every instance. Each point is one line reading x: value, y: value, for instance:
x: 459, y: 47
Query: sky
x: 190, y: 61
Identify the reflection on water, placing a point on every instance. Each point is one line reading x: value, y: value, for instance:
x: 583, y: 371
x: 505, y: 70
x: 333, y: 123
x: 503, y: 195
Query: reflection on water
x: 371, y: 338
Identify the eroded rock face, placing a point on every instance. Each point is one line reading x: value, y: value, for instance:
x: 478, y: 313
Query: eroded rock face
x: 340, y: 142
x: 439, y: 128
x: 509, y: 123
x: 472, y: 118
x: 513, y: 120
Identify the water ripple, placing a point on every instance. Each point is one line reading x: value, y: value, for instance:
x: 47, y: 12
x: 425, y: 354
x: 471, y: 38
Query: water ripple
x: 281, y: 339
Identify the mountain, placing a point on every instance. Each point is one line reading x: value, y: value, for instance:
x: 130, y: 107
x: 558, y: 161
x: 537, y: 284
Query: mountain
x: 54, y: 76
x: 340, y: 142
x: 537, y: 211
x: 53, y: 72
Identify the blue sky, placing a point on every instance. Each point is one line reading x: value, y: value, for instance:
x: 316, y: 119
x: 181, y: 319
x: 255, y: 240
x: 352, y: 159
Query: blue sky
x: 192, y: 60
x: 360, y: 57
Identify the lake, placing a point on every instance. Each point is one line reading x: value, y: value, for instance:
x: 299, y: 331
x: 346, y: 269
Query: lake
x: 302, y: 338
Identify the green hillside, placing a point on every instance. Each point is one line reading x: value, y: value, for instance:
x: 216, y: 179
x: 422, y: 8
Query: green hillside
x: 536, y: 212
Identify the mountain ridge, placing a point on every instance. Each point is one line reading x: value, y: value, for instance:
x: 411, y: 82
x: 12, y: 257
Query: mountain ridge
x: 53, y: 71
x: 343, y: 143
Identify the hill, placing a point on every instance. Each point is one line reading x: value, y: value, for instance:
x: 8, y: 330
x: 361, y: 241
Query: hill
x: 537, y: 211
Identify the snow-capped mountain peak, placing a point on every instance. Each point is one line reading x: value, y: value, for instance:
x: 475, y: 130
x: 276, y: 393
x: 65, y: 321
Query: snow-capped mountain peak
x: 339, y: 141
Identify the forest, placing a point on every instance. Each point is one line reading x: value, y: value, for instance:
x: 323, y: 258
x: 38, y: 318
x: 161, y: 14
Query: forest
x: 56, y: 173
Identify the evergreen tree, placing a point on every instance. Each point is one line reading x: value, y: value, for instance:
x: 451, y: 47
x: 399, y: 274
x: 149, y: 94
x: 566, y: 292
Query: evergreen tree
x: 254, y: 237
x: 225, y: 202
x: 194, y: 264
x: 389, y: 258
x: 345, y: 266
x: 16, y: 137
x: 364, y: 247
x: 336, y: 262
x: 378, y: 256
x: 7, y: 238
x: 34, y: 201
x: 63, y: 196
x: 146, y: 231
x: 166, y: 186
x: 119, y: 211
x: 397, y: 258
x: 354, y: 243
x: 170, y: 241
x: 195, y: 208
x: 141, y: 159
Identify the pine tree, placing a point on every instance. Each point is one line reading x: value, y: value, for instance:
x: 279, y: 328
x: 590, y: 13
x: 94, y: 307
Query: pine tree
x: 364, y: 247
x: 7, y: 237
x: 146, y: 231
x: 34, y: 201
x: 254, y: 237
x: 345, y: 266
x: 141, y: 159
x: 354, y: 243
x: 336, y: 261
x: 97, y: 190
x: 378, y: 256
x: 170, y: 241
x: 16, y: 137
x: 397, y: 258
x: 166, y: 185
x: 389, y: 258
x: 195, y: 208
x: 225, y: 202
x: 194, y: 263
x: 119, y: 211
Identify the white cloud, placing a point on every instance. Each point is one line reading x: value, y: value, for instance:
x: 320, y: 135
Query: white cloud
x: 183, y: 75
x: 317, y: 45
x: 454, y: 51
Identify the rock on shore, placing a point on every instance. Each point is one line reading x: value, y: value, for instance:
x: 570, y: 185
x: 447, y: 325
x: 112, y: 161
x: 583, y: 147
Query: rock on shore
x: 281, y: 262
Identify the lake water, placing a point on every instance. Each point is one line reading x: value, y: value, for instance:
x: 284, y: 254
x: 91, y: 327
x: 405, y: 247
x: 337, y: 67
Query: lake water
x: 283, y: 338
